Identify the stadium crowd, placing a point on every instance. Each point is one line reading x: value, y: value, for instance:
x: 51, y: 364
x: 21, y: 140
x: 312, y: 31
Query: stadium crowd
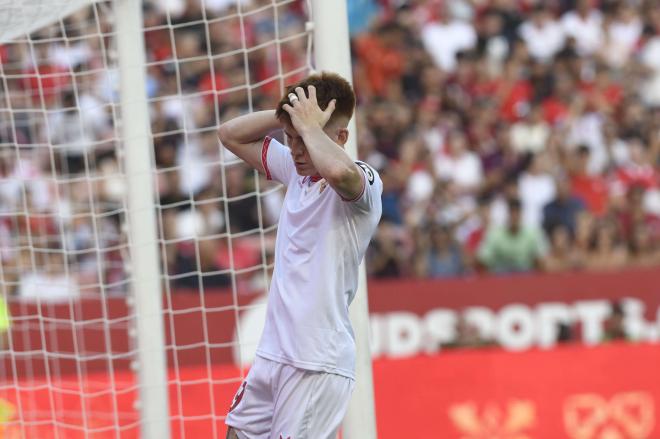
x: 511, y: 135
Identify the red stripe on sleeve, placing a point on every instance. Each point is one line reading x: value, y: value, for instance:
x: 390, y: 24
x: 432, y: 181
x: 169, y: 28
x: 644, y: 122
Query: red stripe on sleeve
x: 264, y: 156
x: 364, y: 186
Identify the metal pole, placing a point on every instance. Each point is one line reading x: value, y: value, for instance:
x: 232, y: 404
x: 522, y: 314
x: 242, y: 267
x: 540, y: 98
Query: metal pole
x: 146, y: 279
x: 332, y: 53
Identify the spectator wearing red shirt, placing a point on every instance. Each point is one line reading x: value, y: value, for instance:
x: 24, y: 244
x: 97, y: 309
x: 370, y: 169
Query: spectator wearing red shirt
x: 381, y: 56
x: 592, y: 189
x: 638, y: 171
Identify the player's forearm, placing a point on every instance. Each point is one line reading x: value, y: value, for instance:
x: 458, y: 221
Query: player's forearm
x: 247, y: 129
x: 330, y: 160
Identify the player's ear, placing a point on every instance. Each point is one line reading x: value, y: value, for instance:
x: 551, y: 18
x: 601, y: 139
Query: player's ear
x: 342, y: 136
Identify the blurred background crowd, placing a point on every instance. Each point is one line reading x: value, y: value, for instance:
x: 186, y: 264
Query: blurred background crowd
x: 511, y: 136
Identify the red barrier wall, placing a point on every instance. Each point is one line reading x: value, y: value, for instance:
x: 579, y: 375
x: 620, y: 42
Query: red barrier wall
x: 604, y: 392
x: 577, y: 392
x: 409, y: 317
x: 572, y: 392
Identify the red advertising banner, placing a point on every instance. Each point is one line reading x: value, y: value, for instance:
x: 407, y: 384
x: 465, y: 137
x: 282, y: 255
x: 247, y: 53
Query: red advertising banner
x: 516, y: 312
x: 408, y: 317
x: 575, y: 392
x: 527, y: 387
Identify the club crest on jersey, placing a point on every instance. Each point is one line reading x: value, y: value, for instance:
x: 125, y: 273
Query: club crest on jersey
x: 367, y: 171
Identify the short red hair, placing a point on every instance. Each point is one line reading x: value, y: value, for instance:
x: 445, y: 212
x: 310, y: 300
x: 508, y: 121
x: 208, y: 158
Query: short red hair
x: 328, y: 86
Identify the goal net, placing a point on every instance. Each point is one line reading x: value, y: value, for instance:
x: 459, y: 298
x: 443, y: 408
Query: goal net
x: 68, y: 330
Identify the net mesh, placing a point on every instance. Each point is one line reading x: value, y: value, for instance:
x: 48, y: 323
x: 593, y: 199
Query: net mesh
x: 67, y: 337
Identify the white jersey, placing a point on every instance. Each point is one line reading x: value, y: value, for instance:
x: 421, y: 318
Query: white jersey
x: 321, y: 240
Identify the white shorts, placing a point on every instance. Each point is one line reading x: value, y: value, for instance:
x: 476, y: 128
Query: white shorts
x: 278, y: 401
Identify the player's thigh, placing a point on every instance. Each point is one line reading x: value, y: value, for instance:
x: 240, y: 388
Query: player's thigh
x: 251, y: 413
x: 310, y: 405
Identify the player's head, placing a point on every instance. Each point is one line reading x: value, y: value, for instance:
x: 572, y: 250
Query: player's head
x: 328, y: 86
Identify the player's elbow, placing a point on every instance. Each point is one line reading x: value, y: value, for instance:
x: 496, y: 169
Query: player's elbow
x: 348, y: 180
x: 225, y: 136
x: 341, y: 175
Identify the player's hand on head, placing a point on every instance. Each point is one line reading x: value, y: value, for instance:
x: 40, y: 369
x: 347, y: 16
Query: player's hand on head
x: 304, y: 109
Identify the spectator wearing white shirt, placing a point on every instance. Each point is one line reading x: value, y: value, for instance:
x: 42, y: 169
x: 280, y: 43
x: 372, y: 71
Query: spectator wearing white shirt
x: 622, y: 34
x: 650, y: 58
x: 537, y: 188
x: 542, y: 34
x: 532, y: 133
x: 49, y: 281
x: 444, y: 39
x: 460, y: 165
x: 585, y: 25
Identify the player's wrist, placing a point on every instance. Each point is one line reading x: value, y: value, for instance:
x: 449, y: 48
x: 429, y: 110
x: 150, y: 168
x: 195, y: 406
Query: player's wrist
x: 310, y: 129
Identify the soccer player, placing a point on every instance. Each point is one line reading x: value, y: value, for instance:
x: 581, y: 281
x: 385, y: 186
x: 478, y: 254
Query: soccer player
x: 301, y: 380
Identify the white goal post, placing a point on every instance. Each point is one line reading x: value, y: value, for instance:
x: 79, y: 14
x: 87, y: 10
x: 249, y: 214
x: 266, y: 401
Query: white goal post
x: 332, y: 52
x: 113, y: 191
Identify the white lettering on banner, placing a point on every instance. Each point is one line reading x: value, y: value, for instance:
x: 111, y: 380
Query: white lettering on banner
x: 515, y: 326
x: 481, y: 318
x: 635, y: 324
x: 440, y: 326
x: 548, y: 317
x: 404, y: 334
x: 592, y: 314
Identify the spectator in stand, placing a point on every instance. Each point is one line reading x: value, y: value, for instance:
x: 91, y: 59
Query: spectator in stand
x: 622, y: 32
x: 532, y: 133
x: 492, y: 44
x: 459, y: 165
x: 607, y: 250
x: 513, y: 248
x: 475, y: 228
x: 542, y: 34
x: 537, y: 188
x: 564, y: 209
x: 634, y: 213
x: 584, y: 24
x: 389, y: 257
x: 591, y: 189
x: 442, y: 256
x: 563, y: 255
x: 644, y: 248
x: 49, y: 279
x: 391, y: 198
x: 650, y: 58
x: 446, y: 37
x: 638, y: 170
x: 381, y: 52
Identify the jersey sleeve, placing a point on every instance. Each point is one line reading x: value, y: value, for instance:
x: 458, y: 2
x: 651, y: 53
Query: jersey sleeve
x: 372, y: 189
x: 276, y: 160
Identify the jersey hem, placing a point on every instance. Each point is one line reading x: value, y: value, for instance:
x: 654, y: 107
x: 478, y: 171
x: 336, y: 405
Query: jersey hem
x: 307, y: 365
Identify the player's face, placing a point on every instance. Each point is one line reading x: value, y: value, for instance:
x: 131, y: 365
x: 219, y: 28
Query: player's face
x: 299, y: 152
